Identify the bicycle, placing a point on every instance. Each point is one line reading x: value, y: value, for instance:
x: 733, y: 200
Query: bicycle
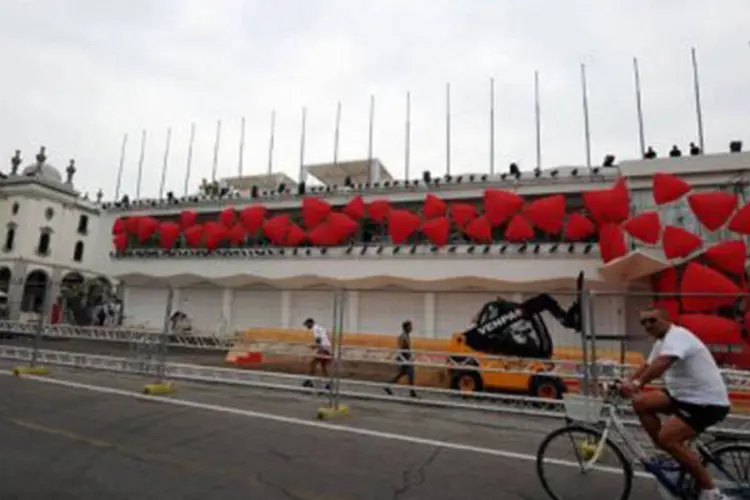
x: 597, y: 418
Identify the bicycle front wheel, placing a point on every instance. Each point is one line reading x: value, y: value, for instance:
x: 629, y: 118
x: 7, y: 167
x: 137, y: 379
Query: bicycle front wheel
x: 571, y: 465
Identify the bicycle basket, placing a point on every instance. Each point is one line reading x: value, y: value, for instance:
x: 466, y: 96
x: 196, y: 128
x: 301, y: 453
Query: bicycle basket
x: 583, y: 408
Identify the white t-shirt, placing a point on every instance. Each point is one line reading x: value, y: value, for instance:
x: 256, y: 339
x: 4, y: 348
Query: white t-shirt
x: 694, y: 377
x: 320, y: 334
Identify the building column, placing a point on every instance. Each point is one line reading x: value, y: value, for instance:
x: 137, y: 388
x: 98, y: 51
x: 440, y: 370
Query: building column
x: 351, y: 314
x: 286, y: 308
x: 429, y: 328
x: 51, y: 293
x: 15, y: 289
x: 227, y: 300
x: 176, y: 299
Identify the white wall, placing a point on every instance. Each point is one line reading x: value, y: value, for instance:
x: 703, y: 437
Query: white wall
x: 33, y: 203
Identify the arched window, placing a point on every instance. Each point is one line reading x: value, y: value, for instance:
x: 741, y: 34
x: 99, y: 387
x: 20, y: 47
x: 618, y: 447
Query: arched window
x: 44, y: 242
x: 78, y: 252
x: 10, y: 237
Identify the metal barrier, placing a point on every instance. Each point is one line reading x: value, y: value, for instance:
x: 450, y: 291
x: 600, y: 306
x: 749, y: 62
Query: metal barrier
x: 166, y: 354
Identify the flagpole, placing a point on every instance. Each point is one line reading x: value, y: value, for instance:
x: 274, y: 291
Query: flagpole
x: 407, y: 147
x: 586, y: 126
x: 639, y: 105
x: 698, y: 108
x: 165, y: 163
x: 538, y: 120
x: 242, y: 148
x: 336, y: 134
x: 271, y: 142
x: 492, y: 126
x: 217, y: 143
x: 447, y: 128
x: 372, y: 175
x: 302, y: 176
x: 121, y: 166
x: 189, y: 164
x: 140, y: 166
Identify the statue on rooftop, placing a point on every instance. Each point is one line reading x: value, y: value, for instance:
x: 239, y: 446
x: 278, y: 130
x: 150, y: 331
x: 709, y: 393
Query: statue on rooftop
x: 70, y: 171
x: 15, y: 162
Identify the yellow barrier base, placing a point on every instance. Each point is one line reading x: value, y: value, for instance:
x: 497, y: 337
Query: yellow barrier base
x: 159, y: 389
x: 30, y: 370
x: 329, y: 412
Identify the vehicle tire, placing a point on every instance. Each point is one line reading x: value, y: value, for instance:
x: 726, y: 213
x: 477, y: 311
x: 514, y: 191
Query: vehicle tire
x: 542, y: 386
x: 729, y: 456
x: 467, y: 382
x: 565, y: 434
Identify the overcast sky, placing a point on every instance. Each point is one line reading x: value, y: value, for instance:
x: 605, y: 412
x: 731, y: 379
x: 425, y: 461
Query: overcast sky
x: 78, y: 74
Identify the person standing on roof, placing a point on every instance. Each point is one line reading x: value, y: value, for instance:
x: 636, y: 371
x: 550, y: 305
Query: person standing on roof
x: 404, y: 358
x: 323, y: 351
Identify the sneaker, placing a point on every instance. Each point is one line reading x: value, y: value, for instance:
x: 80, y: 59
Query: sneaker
x: 307, y: 383
x: 714, y: 494
x: 388, y: 391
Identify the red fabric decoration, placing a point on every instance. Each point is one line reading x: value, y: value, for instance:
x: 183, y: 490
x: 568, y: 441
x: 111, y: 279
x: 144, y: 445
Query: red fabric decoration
x: 463, y: 213
x: 252, y: 218
x: 713, y: 209
x: 120, y: 241
x: 188, y: 218
x: 668, y: 188
x: 378, y: 210
x: 314, y: 211
x: 325, y: 235
x: 275, y: 228
x: 728, y: 256
x: 168, y: 234
x: 678, y: 243
x: 500, y: 205
x: 712, y: 329
x: 194, y: 236
x: 547, y: 213
x: 131, y: 225
x: 670, y: 306
x: 437, y: 231
x: 611, y: 242
x: 609, y: 205
x: 401, y: 225
x: 645, y: 227
x: 578, y: 227
x: 740, y: 223
x: 215, y: 233
x: 519, y: 230
x: 119, y: 226
x: 433, y: 207
x: 355, y: 208
x: 699, y: 279
x: 342, y: 225
x: 226, y: 217
x: 479, y: 230
x: 237, y: 234
x: 147, y: 226
x: 667, y: 281
x: 295, y: 236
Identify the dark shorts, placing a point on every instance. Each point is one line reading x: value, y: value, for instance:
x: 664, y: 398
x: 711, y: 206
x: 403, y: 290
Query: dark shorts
x: 406, y: 368
x: 698, y: 417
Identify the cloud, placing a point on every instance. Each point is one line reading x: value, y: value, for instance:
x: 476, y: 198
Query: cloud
x: 80, y: 74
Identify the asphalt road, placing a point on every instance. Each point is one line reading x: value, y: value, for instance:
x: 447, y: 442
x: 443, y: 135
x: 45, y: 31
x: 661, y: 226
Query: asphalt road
x: 60, y: 442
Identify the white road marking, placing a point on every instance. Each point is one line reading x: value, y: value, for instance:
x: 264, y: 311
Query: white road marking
x: 314, y: 424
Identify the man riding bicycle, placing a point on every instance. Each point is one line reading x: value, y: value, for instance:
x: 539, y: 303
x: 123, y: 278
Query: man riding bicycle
x: 695, y: 396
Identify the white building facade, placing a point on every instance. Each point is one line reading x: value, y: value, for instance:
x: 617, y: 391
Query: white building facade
x: 50, y: 237
x: 439, y: 289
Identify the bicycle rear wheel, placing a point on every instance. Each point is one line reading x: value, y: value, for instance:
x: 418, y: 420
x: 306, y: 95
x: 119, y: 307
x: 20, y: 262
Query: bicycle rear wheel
x: 572, y: 449
x: 730, y: 468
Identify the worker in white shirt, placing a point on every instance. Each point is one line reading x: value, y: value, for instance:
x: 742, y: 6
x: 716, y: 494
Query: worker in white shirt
x: 695, y: 395
x: 323, y: 351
